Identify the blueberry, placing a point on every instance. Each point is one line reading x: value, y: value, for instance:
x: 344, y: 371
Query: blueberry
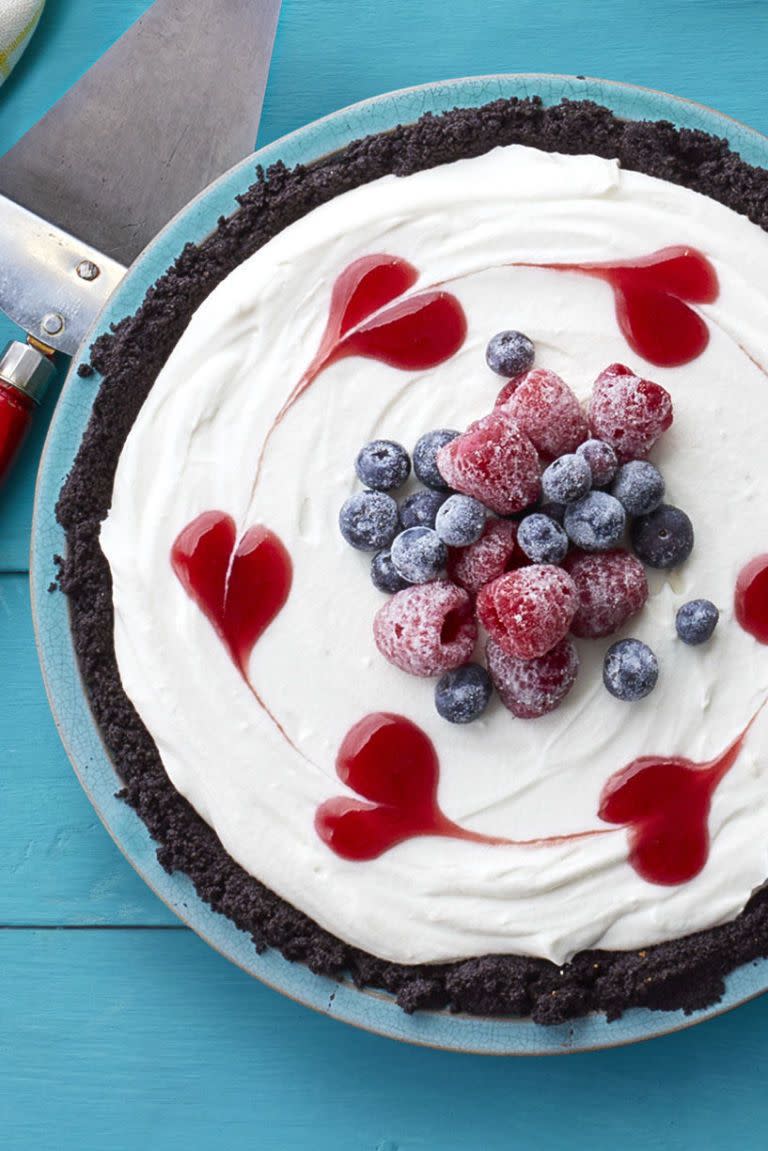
x: 630, y: 670
x: 425, y: 457
x: 595, y: 523
x: 463, y: 694
x: 696, y: 620
x: 369, y: 521
x: 542, y: 539
x: 383, y: 574
x: 639, y: 487
x: 664, y: 538
x: 566, y: 479
x: 383, y: 465
x: 419, y: 555
x: 601, y: 459
x: 509, y: 353
x: 460, y: 521
x: 419, y: 509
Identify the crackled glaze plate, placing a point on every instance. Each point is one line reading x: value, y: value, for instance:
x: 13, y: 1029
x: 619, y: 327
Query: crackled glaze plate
x: 372, y: 1010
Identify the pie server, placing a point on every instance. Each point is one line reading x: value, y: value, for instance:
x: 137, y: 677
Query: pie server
x: 173, y: 104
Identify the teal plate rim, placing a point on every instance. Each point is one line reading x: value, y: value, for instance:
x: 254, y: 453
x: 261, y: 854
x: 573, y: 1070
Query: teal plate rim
x: 370, y: 1010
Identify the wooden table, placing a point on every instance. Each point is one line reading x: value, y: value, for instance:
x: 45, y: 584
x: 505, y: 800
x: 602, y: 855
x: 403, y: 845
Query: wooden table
x: 118, y: 1027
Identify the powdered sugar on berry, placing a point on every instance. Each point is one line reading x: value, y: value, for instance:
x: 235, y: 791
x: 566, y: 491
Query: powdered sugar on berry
x: 628, y: 412
x: 428, y: 629
x: 531, y: 688
x: 494, y: 461
x: 611, y: 588
x: 493, y: 554
x: 547, y: 410
x: 528, y: 611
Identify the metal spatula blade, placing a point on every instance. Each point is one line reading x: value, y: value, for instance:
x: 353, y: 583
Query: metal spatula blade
x: 173, y: 104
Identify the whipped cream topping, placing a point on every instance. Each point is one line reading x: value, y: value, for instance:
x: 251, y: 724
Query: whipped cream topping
x: 195, y: 447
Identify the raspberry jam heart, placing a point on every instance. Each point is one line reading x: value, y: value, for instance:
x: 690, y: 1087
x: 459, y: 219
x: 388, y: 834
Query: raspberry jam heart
x: 751, y: 598
x: 665, y: 804
x: 368, y: 318
x: 652, y: 296
x: 239, y: 585
x: 393, y: 764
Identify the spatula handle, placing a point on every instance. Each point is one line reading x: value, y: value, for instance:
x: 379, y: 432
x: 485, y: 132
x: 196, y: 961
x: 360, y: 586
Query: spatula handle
x: 24, y: 376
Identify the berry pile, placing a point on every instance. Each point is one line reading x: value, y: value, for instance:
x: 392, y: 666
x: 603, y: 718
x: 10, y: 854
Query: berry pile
x: 534, y: 523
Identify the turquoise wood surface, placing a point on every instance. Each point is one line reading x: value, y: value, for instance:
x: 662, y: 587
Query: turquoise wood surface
x: 166, y: 1046
x: 129, y: 1037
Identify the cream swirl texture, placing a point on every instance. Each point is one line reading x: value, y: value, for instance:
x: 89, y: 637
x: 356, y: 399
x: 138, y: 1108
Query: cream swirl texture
x: 195, y: 447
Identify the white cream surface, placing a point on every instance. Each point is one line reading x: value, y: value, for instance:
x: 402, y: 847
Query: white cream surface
x: 195, y: 445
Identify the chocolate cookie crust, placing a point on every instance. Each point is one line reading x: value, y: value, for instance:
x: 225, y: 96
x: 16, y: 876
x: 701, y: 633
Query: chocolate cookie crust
x: 686, y: 973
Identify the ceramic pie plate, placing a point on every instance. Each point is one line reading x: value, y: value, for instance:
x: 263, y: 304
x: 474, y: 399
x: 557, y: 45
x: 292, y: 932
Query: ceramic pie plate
x: 372, y: 1010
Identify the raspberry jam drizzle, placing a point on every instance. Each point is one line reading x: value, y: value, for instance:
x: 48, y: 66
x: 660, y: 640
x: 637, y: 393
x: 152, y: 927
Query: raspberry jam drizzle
x: 652, y: 295
x: 240, y: 586
x: 418, y: 332
x: 665, y: 804
x: 367, y: 318
x: 751, y: 598
x: 393, y: 764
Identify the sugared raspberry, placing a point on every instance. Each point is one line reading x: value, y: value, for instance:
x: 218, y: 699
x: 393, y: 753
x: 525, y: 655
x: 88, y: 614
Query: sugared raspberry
x: 495, y: 462
x: 611, y: 587
x: 547, y: 411
x: 628, y: 412
x: 528, y: 611
x: 509, y: 390
x: 533, y: 687
x: 427, y: 629
x: 494, y: 553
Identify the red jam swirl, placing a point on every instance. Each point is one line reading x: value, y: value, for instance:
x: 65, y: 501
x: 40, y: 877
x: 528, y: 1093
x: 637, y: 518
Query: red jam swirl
x: 652, y: 296
x: 367, y: 318
x: 751, y: 598
x: 393, y: 764
x: 665, y: 802
x: 240, y: 586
